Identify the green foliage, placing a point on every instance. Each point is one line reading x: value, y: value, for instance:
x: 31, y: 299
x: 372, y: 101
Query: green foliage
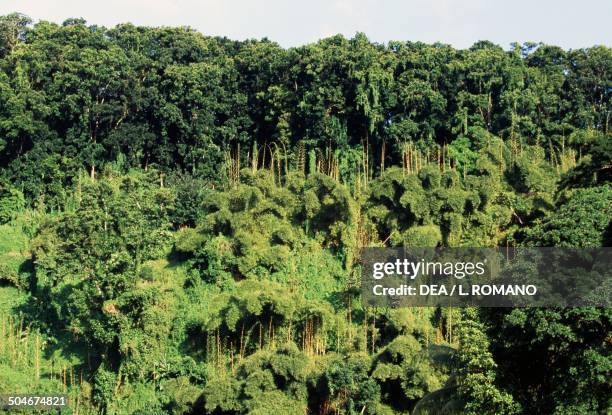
x: 439, y: 208
x: 582, y: 219
x: 349, y: 387
x: 89, y: 276
x: 12, y: 203
x: 564, y: 346
x: 259, y: 314
x: 182, y: 217
x: 408, y: 370
x: 262, y: 230
x: 476, y: 375
x: 78, y: 96
x: 567, y: 347
x: 595, y: 168
x: 191, y: 196
x: 267, y: 382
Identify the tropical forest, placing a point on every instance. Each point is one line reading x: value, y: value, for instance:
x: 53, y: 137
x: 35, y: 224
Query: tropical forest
x: 182, y: 219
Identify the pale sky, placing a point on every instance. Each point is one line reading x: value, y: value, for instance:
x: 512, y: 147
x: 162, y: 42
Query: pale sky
x: 567, y: 23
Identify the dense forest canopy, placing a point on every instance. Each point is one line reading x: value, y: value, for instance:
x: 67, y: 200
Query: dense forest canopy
x: 182, y: 102
x: 182, y: 216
